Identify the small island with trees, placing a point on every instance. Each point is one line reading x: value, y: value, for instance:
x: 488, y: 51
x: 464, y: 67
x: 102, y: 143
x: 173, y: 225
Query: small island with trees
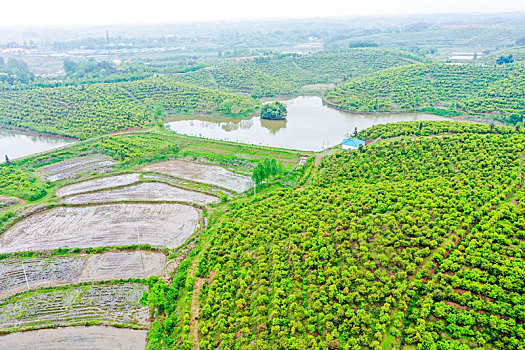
x: 274, y: 111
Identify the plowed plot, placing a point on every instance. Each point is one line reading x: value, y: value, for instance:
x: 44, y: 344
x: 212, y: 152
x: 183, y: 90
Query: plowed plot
x: 8, y: 201
x: 101, y: 304
x: 77, y: 338
x: 71, y: 167
x: 166, y: 225
x: 153, y: 192
x: 63, y: 270
x: 209, y: 174
x: 98, y: 184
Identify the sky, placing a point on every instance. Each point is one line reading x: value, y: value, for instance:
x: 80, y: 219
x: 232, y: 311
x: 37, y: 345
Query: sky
x: 58, y: 12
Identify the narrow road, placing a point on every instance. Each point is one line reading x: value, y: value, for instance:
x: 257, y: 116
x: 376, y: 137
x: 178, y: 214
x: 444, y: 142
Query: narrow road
x: 195, y: 307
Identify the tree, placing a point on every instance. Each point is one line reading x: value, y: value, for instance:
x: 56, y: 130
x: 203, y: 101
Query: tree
x: 70, y: 67
x: 274, y: 111
x: 268, y: 167
x: 505, y: 59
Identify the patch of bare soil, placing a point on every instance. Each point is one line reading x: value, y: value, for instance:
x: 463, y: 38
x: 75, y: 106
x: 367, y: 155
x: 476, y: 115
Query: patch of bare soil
x: 165, y: 225
x: 195, y: 309
x: 104, y: 304
x: 210, y: 174
x: 77, y: 338
x: 40, y: 272
x: 20, y: 275
x: 151, y: 192
x: 71, y: 167
x: 8, y: 201
x: 98, y: 184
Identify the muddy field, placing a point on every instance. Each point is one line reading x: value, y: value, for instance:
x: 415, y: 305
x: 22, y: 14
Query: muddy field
x: 102, y: 304
x: 165, y: 225
x: 77, y: 338
x: 71, y: 167
x: 98, y: 184
x: 210, y: 174
x: 151, y: 192
x: 73, y: 269
x: 8, y: 201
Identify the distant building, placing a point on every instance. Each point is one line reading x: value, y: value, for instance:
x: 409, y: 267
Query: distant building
x: 352, y: 144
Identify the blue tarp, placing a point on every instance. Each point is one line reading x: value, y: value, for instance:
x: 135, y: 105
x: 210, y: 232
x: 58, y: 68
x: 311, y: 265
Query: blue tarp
x: 353, y: 142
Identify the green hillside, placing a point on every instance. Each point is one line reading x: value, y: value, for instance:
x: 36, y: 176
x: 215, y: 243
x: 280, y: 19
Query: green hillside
x: 345, y: 262
x: 285, y: 75
x: 438, y: 88
x: 84, y: 111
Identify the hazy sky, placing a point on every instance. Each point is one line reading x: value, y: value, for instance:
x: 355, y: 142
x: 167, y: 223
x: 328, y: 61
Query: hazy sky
x: 37, y: 12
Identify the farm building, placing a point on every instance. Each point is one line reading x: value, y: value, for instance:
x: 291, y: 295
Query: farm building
x: 352, y: 144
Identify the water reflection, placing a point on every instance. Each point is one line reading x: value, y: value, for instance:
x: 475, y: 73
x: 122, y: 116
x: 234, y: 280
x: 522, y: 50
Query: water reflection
x: 310, y: 126
x: 15, y: 144
x: 273, y: 125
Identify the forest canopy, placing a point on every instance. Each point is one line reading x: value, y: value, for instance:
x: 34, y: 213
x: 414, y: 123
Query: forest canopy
x: 274, y: 111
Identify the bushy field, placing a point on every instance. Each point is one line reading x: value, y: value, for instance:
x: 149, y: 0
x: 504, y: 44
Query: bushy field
x: 84, y: 111
x: 518, y: 54
x: 493, y: 92
x: 426, y: 128
x: 286, y: 74
x: 341, y: 263
x: 476, y: 295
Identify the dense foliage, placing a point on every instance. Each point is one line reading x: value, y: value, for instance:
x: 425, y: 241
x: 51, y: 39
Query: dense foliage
x: 518, y: 54
x: 285, y: 74
x: 266, y: 169
x: 274, y: 111
x: 84, y: 111
x: 14, y: 73
x: 343, y: 263
x: 492, y: 92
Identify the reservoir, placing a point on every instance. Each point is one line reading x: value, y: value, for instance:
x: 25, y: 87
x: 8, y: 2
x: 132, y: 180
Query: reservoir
x: 17, y: 144
x: 309, y: 126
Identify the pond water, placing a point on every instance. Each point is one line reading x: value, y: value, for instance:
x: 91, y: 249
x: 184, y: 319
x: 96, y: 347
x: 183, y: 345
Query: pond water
x: 309, y: 126
x: 17, y: 144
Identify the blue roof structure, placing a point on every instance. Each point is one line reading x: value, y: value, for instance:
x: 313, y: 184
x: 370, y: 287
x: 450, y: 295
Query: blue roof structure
x: 353, y: 142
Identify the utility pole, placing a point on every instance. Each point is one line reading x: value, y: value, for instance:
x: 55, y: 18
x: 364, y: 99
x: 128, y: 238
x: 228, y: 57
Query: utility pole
x: 140, y: 250
x: 25, y: 275
x: 107, y: 45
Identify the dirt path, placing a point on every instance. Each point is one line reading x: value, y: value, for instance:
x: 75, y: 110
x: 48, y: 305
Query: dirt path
x: 195, y: 307
x: 318, y: 158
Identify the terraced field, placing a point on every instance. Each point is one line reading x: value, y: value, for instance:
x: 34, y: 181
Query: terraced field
x: 78, y: 338
x: 71, y: 167
x: 151, y: 192
x: 210, y: 174
x: 98, y: 184
x: 8, y: 201
x: 166, y: 225
x: 98, y: 304
x: 72, y: 269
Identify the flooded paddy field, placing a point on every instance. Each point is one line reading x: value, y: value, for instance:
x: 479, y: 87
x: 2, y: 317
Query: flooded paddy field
x: 77, y: 338
x: 71, y: 167
x: 210, y: 174
x: 98, y: 184
x: 165, y: 225
x: 72, y: 269
x: 151, y: 192
x: 117, y: 303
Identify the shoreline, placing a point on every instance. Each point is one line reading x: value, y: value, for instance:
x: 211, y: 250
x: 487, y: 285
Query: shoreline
x: 37, y: 133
